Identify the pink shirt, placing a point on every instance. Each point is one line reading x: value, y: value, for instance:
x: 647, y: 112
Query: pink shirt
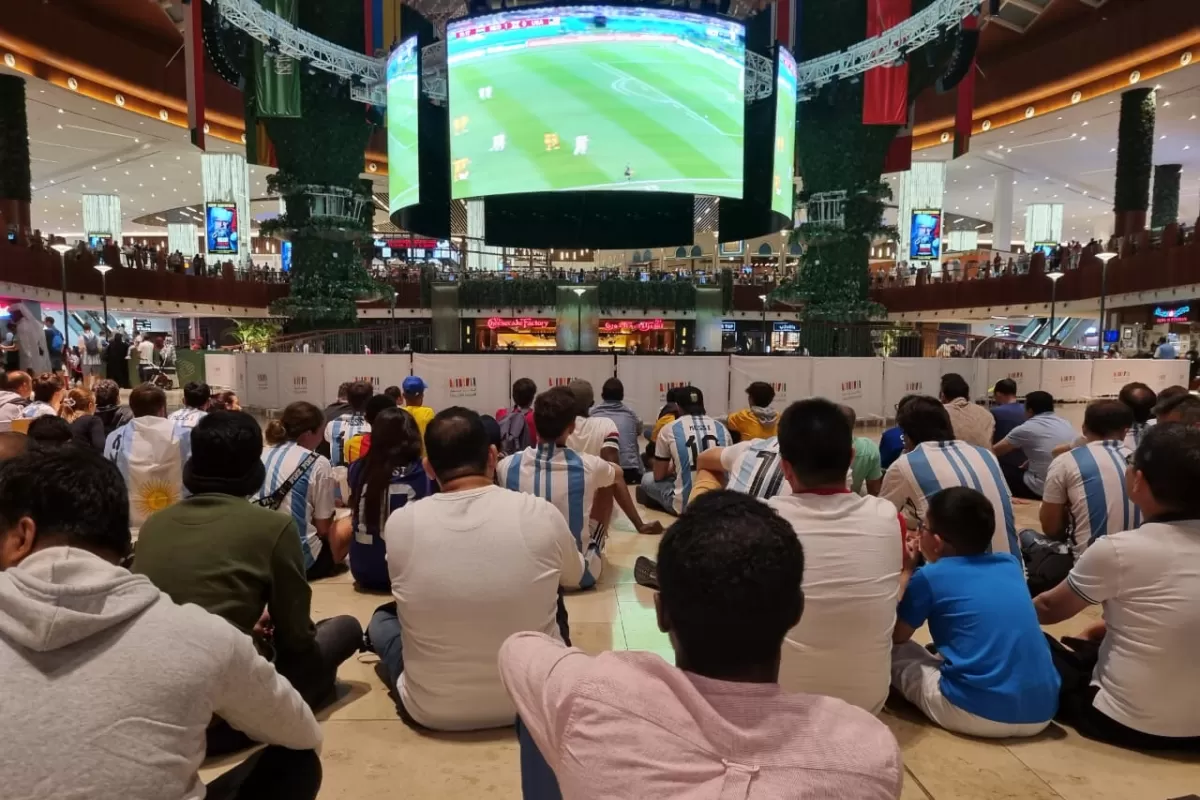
x: 628, y: 724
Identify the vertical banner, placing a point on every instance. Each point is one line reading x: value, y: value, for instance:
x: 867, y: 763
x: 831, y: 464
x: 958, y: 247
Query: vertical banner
x: 193, y: 59
x: 480, y: 383
x: 790, y: 376
x: 301, y: 377
x: 380, y: 371
x: 1068, y: 380
x: 648, y: 378
x: 262, y: 376
x: 902, y: 376
x: 1026, y: 373
x: 965, y: 97
x: 855, y: 382
x: 276, y: 77
x: 560, y: 370
x: 885, y: 89
x: 220, y: 370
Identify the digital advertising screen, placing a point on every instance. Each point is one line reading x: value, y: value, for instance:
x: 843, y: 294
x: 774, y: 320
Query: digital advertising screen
x: 97, y: 240
x: 925, y: 237
x: 784, y: 157
x: 285, y: 256
x: 403, y: 94
x: 1045, y: 248
x: 596, y: 98
x: 221, y: 228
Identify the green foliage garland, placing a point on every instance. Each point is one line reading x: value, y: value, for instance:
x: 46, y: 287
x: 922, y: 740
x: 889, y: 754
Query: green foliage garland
x: 1135, y: 151
x: 669, y: 295
x: 522, y: 293
x: 1165, y: 208
x: 14, y: 140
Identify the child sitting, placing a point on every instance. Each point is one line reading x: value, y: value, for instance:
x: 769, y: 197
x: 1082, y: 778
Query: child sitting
x: 994, y: 676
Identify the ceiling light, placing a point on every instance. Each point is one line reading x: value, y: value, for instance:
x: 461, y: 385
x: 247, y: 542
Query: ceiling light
x: 1166, y: 103
x: 59, y: 127
x: 1085, y: 122
x: 1162, y: 137
x: 61, y: 111
x: 1112, y: 149
x: 1083, y: 138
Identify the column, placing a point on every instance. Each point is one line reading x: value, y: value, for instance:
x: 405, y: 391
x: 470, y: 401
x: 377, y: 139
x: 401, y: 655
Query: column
x: 1165, y: 209
x: 1002, y: 209
x: 226, y: 182
x: 102, y: 216
x: 1135, y: 153
x: 1043, y: 225
x: 181, y: 236
x: 15, y: 192
x: 485, y: 257
x: 577, y: 319
x: 921, y: 190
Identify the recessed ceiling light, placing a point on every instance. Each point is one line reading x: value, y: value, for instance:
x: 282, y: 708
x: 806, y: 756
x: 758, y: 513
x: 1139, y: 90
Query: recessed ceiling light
x: 1085, y: 122
x: 61, y: 111
x: 1112, y: 149
x: 1162, y: 137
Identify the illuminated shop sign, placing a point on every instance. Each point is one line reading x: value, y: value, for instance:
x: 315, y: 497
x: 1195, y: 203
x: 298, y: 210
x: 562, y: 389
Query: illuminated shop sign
x: 518, y: 322
x: 728, y: 326
x: 640, y: 325
x: 1179, y: 314
x: 786, y: 327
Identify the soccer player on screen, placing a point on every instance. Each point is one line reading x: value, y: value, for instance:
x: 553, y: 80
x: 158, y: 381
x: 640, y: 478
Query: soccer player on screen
x: 498, y: 142
x: 628, y: 172
x: 581, y: 145
x: 551, y: 141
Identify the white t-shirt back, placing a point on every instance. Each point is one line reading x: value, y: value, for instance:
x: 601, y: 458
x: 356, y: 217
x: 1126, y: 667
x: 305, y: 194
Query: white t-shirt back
x: 853, y: 552
x: 468, y: 570
x: 1148, y: 581
x: 593, y: 434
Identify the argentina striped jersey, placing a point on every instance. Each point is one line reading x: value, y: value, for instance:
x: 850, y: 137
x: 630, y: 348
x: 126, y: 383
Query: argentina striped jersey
x: 681, y: 442
x: 342, y: 430
x: 567, y: 479
x: 754, y: 467
x: 1090, y: 482
x: 311, y: 496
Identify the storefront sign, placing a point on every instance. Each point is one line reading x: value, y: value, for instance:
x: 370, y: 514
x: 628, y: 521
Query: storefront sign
x: 1169, y: 315
x: 641, y: 325
x: 408, y: 244
x: 518, y: 322
x: 786, y: 327
x: 728, y: 326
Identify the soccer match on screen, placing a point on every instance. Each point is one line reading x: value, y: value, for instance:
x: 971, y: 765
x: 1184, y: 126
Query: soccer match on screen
x: 784, y: 159
x: 403, y: 85
x: 596, y: 98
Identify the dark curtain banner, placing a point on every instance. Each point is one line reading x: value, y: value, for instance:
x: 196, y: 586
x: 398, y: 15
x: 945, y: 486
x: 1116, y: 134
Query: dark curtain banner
x: 277, y: 78
x: 885, y: 89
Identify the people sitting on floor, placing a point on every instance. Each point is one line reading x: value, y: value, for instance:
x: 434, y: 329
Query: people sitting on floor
x: 95, y: 658
x: 360, y: 444
x: 518, y: 432
x: 1130, y: 681
x: 48, y: 391
x: 15, y: 395
x: 933, y: 460
x: 751, y: 467
x: 196, y: 396
x: 48, y: 432
x: 349, y: 424
x: 340, y: 406
x: 852, y: 547
x: 109, y: 408
x: 758, y: 420
x: 1141, y: 400
x: 150, y: 452
x: 718, y: 722
x: 676, y: 450
x: 891, y: 441
x: 1184, y: 408
x: 414, y: 403
x: 580, y: 485
x: 972, y: 423
x: 1009, y: 412
x: 243, y: 562
x: 992, y: 675
x: 1085, y: 497
x: 629, y: 427
x: 300, y: 483
x: 1037, y: 437
x: 469, y: 566
x: 596, y: 436
x: 389, y: 477
x: 866, y: 474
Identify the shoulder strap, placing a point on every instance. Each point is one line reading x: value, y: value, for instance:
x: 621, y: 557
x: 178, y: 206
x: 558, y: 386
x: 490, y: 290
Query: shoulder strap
x: 275, y: 499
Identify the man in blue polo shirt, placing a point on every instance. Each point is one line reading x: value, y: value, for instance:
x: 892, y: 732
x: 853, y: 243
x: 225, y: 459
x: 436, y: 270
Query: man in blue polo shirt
x: 1009, y: 413
x: 1038, y: 436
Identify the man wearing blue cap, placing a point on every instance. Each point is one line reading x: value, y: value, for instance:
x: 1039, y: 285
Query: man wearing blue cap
x: 413, y: 389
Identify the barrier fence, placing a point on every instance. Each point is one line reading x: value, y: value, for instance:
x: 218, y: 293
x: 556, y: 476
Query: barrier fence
x: 871, y: 386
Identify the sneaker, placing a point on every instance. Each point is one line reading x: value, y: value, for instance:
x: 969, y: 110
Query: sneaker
x: 645, y: 572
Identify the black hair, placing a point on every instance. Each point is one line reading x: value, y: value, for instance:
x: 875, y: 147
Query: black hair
x: 226, y: 455
x: 47, y: 431
x: 108, y: 393
x: 358, y: 394
x: 46, y: 385
x: 1167, y: 395
x: 196, y: 394
x: 344, y: 390
x: 392, y: 392
x: 760, y: 393
x: 924, y: 419
x: 377, y: 403
x: 523, y: 392
x: 613, y: 391
x: 456, y: 444
x: 1141, y: 400
x: 1186, y: 407
x: 1006, y: 386
x: 690, y: 399
x: 147, y: 400
x: 1107, y: 419
x: 553, y: 412
x: 1169, y: 459
x: 817, y: 441
x: 395, y: 444
x: 71, y: 493
x: 963, y: 518
x: 1039, y: 402
x: 955, y: 386
x: 850, y: 414
x: 730, y: 570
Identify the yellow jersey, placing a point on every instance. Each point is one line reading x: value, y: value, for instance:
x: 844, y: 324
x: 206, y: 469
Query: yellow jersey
x: 422, y: 415
x: 747, y: 425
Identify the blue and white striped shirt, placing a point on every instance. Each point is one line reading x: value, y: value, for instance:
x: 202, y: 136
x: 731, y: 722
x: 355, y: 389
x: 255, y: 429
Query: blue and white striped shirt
x: 187, y: 416
x: 311, y: 496
x: 681, y: 442
x: 1090, y: 482
x: 567, y: 479
x: 342, y: 430
x: 754, y: 467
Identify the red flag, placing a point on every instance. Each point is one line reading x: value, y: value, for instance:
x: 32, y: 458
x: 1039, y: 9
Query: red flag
x: 193, y: 55
x: 885, y: 89
x: 899, y: 154
x: 965, y: 98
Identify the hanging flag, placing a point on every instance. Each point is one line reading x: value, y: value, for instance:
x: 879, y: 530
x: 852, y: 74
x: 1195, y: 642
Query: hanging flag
x: 277, y: 77
x: 899, y: 153
x: 965, y: 98
x: 381, y: 24
x: 193, y: 59
x: 785, y: 21
x: 150, y: 453
x: 885, y: 89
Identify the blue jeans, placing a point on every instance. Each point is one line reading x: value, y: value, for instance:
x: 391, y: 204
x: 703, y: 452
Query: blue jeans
x: 660, y: 493
x: 384, y: 633
x: 537, y: 779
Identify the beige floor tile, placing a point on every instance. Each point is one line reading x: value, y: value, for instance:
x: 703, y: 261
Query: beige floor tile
x: 912, y: 789
x: 597, y: 637
x: 1080, y: 769
x: 641, y: 628
x: 593, y: 605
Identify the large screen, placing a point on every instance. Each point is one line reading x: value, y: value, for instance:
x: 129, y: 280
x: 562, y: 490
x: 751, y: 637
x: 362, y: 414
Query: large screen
x: 784, y: 161
x: 221, y: 228
x: 925, y: 236
x: 403, y: 92
x: 596, y: 98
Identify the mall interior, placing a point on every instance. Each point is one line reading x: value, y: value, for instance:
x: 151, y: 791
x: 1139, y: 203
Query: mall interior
x: 288, y: 196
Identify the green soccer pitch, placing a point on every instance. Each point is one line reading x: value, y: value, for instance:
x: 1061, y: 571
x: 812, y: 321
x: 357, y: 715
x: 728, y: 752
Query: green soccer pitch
x: 404, y: 187
x: 655, y: 117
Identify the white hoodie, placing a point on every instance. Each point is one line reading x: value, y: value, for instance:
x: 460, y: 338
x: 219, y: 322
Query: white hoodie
x: 109, y: 685
x: 11, y: 407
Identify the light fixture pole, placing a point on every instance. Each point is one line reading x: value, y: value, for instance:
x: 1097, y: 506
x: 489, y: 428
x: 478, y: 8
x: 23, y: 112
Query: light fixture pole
x: 579, y: 290
x: 763, y: 297
x: 61, y: 248
x: 104, y: 269
x: 1054, y: 278
x: 1104, y: 259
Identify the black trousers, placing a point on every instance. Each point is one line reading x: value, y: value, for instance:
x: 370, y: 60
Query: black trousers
x: 274, y: 773
x: 633, y: 477
x: 1075, y: 665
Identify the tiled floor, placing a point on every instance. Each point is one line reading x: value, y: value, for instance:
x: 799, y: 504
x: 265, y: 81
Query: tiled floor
x: 370, y: 753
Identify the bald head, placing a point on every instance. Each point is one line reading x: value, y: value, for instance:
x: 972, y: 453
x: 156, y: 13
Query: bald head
x: 12, y: 445
x: 19, y: 382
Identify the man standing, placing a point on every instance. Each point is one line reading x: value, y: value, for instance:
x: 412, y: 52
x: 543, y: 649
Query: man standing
x: 972, y: 423
x: 1165, y: 349
x: 945, y: 349
x: 54, y: 345
x: 1037, y: 437
x: 89, y: 356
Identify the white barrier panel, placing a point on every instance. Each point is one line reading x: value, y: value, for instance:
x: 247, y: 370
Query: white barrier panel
x: 973, y: 370
x: 302, y: 377
x: 1067, y: 380
x: 1027, y: 373
x: 559, y: 370
x: 262, y: 377
x: 1159, y: 374
x: 380, y: 371
x: 1110, y: 374
x: 480, y: 383
x: 241, y: 382
x: 856, y: 382
x: 220, y: 369
x: 647, y: 379
x: 903, y: 376
x: 791, y: 376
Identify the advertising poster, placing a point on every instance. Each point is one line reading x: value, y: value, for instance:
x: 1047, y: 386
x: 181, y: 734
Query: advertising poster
x: 221, y: 228
x: 925, y: 238
x: 856, y: 382
x: 480, y: 383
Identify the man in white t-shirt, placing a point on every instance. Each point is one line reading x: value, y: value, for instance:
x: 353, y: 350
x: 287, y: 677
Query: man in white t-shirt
x: 196, y: 395
x: 853, y: 549
x: 469, y: 566
x: 1138, y: 688
x: 145, y: 351
x: 597, y: 436
x: 677, y: 453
